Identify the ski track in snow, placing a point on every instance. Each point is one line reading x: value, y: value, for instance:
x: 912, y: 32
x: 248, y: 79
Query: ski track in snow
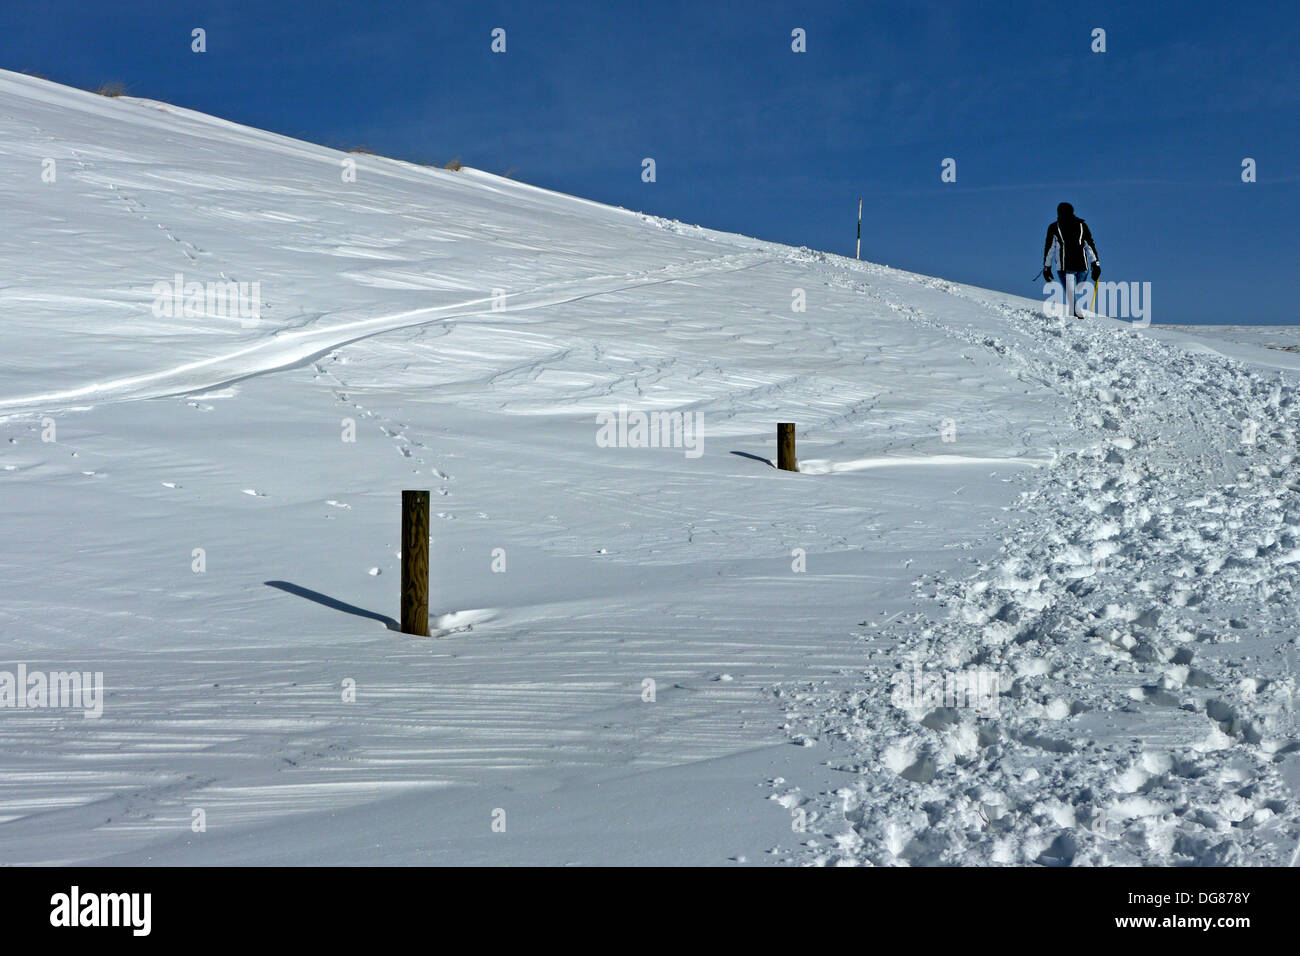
x: 1121, y: 591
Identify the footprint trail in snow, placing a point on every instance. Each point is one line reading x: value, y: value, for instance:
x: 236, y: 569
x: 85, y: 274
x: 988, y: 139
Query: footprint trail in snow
x: 1132, y: 726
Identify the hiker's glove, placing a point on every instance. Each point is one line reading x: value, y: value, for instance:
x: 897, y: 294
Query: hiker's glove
x: 1047, y: 275
x: 1096, y: 271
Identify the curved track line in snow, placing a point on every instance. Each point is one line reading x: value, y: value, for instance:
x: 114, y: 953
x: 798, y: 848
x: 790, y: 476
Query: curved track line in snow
x: 289, y: 349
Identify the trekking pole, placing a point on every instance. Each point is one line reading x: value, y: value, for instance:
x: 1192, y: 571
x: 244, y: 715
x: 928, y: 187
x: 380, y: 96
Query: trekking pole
x: 1094, y: 296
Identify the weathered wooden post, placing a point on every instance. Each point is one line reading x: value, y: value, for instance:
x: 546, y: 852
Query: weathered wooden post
x: 415, y: 563
x: 785, y: 459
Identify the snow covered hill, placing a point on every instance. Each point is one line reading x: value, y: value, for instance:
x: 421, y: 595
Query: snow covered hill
x: 647, y: 655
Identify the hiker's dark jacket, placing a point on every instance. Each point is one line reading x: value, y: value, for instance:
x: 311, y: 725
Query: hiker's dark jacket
x: 1069, y: 246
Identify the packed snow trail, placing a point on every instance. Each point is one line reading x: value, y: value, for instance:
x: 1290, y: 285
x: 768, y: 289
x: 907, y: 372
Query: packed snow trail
x: 1132, y: 726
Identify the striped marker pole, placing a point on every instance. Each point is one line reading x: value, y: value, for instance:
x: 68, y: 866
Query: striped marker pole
x: 858, y: 254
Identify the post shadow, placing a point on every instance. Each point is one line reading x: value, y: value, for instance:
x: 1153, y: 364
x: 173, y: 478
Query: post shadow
x: 767, y: 461
x: 333, y: 603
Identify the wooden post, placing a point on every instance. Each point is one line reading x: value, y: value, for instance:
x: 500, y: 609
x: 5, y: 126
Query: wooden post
x: 785, y: 459
x: 415, y: 563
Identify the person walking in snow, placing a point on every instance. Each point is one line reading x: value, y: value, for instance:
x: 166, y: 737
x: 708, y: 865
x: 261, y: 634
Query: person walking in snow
x: 1070, y: 248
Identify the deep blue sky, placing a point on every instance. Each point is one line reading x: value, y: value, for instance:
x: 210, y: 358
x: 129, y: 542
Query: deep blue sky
x: 1146, y: 139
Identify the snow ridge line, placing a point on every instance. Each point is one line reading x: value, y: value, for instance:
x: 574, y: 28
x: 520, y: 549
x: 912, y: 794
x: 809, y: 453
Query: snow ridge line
x: 295, y: 348
x: 1114, y: 607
